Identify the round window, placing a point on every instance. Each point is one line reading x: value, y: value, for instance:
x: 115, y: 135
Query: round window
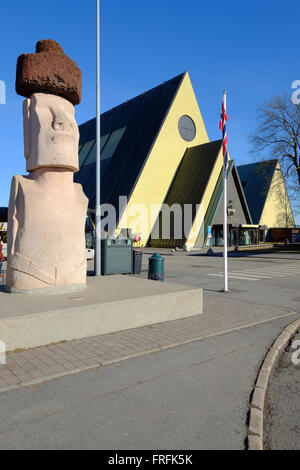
x: 187, y: 128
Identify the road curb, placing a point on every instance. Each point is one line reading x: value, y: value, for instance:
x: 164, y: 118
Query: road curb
x: 257, y: 402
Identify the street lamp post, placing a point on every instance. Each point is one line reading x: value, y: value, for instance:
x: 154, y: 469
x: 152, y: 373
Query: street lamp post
x: 98, y: 150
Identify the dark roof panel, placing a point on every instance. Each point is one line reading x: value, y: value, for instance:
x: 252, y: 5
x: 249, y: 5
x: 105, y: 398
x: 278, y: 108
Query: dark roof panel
x: 193, y: 174
x: 132, y: 154
x: 190, y: 182
x: 214, y: 214
x: 256, y: 179
x: 142, y: 117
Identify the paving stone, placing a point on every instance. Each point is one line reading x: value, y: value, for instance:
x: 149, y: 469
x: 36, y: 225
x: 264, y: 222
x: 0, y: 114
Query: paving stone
x: 24, y: 377
x: 48, y: 360
x: 12, y: 380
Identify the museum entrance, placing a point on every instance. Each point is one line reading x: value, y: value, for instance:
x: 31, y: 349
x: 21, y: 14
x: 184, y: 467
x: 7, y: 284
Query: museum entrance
x: 237, y: 235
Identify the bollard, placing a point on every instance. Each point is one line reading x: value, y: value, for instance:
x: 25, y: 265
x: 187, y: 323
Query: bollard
x: 156, y: 270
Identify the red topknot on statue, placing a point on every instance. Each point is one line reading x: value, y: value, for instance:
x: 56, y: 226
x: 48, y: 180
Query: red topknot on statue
x: 49, y: 70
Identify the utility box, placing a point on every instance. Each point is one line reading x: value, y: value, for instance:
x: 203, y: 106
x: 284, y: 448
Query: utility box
x: 117, y: 256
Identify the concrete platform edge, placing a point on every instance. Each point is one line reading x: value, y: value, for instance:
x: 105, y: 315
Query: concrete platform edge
x: 40, y: 329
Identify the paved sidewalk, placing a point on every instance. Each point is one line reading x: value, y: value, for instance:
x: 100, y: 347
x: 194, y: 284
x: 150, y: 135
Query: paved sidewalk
x: 222, y: 315
x: 193, y: 396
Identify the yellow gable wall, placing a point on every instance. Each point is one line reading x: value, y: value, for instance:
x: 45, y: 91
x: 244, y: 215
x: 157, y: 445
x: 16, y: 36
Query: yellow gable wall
x: 277, y: 212
x: 162, y: 163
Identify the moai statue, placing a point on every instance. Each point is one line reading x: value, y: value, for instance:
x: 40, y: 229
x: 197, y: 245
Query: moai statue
x: 47, y: 210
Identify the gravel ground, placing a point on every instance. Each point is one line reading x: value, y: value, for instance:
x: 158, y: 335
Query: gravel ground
x: 282, y: 422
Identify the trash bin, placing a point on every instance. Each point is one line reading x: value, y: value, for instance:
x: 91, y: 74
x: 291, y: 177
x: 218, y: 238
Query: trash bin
x: 116, y: 256
x: 137, y: 261
x: 156, y: 270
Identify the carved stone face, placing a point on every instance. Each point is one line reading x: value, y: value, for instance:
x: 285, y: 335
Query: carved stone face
x: 51, y: 133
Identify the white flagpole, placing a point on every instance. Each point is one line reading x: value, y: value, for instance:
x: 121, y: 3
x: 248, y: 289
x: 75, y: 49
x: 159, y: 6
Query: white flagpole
x: 98, y: 201
x: 225, y: 216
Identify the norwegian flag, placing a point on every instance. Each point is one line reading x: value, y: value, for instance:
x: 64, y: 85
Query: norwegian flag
x: 223, y: 120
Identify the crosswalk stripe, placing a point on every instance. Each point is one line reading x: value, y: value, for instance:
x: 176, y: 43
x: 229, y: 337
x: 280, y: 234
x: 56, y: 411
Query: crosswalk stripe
x: 280, y: 270
x: 279, y: 274
x: 265, y: 273
x: 288, y: 266
x: 275, y: 268
x: 248, y: 275
x: 262, y: 273
x: 283, y: 266
x: 273, y: 273
x: 251, y: 274
x: 235, y: 277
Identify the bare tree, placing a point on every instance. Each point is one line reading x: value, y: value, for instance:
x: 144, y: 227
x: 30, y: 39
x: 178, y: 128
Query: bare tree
x: 278, y: 134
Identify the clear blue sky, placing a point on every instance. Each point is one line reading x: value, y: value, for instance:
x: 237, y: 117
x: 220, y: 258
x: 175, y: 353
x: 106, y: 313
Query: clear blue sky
x: 251, y: 49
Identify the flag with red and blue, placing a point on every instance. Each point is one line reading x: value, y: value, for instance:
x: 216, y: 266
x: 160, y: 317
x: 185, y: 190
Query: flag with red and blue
x: 224, y: 119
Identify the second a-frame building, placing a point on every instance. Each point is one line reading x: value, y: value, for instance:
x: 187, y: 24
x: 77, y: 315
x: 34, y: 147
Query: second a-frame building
x: 265, y: 191
x: 191, y: 186
x: 155, y: 152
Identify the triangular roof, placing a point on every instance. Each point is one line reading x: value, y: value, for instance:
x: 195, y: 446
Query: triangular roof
x: 190, y: 182
x: 215, y: 202
x: 193, y: 174
x: 128, y: 132
x: 256, y: 179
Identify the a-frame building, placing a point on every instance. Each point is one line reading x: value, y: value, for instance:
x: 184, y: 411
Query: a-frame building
x: 154, y: 151
x: 192, y: 185
x: 266, y: 194
x: 142, y: 144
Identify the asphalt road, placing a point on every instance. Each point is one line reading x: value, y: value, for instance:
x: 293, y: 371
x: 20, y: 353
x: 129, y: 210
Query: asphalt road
x: 282, y: 427
x: 190, y: 397
x: 266, y: 278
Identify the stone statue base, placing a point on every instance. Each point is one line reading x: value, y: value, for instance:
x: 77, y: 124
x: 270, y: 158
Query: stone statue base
x: 47, y: 290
